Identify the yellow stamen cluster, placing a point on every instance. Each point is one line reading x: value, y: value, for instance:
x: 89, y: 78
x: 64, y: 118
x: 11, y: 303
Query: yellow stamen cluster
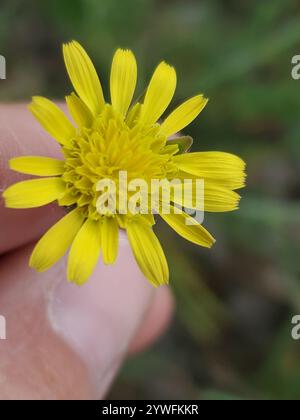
x: 109, y: 146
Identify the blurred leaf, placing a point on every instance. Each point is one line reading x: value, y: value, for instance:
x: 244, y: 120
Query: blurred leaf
x: 184, y: 143
x: 214, y: 395
x: 279, y: 377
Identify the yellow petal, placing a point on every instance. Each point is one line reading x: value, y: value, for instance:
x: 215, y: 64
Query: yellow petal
x: 148, y: 253
x: 187, y: 227
x: 55, y: 243
x: 84, y: 252
x: 79, y: 111
x: 159, y: 93
x: 133, y: 115
x: 83, y: 76
x: 52, y: 119
x: 212, y: 197
x: 37, y: 165
x: 183, y: 115
x: 222, y: 168
x: 220, y: 199
x: 110, y: 239
x: 123, y: 80
x: 34, y: 193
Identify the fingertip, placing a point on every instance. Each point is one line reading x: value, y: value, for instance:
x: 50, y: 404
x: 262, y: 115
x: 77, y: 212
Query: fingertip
x: 156, y: 321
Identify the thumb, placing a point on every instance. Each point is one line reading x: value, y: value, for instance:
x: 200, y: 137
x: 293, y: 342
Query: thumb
x: 65, y: 341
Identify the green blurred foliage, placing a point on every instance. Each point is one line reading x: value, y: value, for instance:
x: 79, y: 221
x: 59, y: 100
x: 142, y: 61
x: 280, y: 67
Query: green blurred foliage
x: 231, y: 335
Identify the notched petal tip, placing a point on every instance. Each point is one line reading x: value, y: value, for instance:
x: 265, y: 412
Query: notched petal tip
x: 183, y: 115
x: 163, y: 64
x: 71, y: 43
x: 37, y: 165
x: 83, y: 76
x: 124, y: 51
x: 52, y: 119
x: 212, y: 242
x: 33, y: 193
x: 148, y: 253
x: 34, y: 265
x: 79, y: 282
x: 56, y: 241
x: 159, y: 93
x: 123, y: 80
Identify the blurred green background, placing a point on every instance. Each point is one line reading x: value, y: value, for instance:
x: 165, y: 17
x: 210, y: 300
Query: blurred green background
x: 231, y: 336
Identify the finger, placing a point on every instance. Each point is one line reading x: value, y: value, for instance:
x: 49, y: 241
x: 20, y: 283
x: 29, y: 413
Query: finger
x: 65, y: 341
x: 21, y: 135
x: 156, y: 321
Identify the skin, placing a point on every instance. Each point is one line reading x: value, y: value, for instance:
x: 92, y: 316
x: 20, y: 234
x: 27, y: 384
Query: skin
x: 46, y: 352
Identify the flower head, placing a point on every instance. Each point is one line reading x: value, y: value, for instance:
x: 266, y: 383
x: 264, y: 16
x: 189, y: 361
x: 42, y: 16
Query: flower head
x: 107, y: 140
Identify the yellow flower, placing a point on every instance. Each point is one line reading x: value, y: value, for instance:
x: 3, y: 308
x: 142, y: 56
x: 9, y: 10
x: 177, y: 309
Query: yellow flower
x: 108, y: 138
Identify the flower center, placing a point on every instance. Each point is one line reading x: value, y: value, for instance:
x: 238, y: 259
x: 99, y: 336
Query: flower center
x: 109, y: 147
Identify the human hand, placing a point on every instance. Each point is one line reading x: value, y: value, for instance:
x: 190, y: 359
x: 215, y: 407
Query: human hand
x: 63, y: 341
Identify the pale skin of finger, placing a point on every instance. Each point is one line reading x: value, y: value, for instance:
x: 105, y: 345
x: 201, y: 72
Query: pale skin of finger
x: 156, y: 321
x: 36, y: 362
x: 21, y: 135
x: 32, y: 355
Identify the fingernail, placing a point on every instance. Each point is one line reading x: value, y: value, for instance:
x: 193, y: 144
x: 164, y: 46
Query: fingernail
x: 98, y: 320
